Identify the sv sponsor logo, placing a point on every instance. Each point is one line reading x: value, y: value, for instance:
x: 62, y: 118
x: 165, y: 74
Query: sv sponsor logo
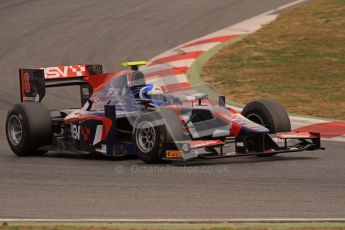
x: 64, y: 71
x: 75, y: 131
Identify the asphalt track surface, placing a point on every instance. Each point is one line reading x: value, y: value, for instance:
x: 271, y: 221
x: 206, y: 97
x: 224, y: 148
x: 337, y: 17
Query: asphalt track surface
x: 50, y: 33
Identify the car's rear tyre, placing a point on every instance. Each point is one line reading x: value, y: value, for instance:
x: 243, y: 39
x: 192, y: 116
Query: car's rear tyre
x: 28, y: 127
x: 270, y: 114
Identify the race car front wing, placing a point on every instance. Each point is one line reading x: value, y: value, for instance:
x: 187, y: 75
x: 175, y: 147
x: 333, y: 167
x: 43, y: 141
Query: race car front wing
x: 257, y: 144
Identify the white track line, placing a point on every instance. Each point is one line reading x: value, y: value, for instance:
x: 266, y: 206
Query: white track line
x: 259, y: 220
x: 285, y: 6
x: 201, y: 47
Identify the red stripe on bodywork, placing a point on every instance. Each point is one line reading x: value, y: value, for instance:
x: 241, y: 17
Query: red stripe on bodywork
x: 235, y: 129
x: 209, y: 40
x: 294, y: 135
x: 327, y: 129
x: 177, y: 57
x: 202, y: 144
x: 106, y: 122
x: 99, y: 81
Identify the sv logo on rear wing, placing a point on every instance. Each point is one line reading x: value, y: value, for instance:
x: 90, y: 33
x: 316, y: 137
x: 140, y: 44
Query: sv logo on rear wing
x: 33, y: 82
x: 65, y: 72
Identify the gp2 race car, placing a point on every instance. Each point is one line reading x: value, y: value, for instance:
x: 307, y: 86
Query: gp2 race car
x: 115, y: 121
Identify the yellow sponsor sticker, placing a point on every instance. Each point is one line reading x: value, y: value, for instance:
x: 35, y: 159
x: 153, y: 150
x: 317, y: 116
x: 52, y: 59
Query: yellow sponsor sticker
x: 174, y: 154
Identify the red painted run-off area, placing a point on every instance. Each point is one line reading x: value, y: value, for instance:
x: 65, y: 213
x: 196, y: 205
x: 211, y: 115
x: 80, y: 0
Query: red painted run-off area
x: 167, y: 72
x: 177, y: 57
x: 195, y: 54
x: 327, y: 129
x: 209, y: 40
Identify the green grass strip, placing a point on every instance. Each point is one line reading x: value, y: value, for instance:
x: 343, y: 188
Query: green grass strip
x: 169, y: 226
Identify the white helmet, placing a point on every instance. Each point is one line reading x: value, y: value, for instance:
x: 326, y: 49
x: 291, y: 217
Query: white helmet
x: 152, y: 92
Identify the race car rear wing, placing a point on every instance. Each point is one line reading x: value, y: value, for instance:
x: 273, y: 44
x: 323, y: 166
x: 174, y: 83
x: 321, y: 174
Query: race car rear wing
x: 33, y: 82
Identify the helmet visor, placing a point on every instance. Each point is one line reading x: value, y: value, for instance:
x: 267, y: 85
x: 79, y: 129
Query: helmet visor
x: 157, y: 97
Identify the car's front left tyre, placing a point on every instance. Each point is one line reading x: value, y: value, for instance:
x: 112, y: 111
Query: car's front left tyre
x: 149, y: 139
x: 152, y: 131
x: 28, y: 127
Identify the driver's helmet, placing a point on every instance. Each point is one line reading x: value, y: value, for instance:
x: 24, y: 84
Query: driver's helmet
x: 152, y: 92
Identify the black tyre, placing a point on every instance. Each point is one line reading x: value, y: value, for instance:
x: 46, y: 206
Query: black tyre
x: 28, y: 127
x: 152, y: 131
x: 268, y: 113
x: 149, y: 137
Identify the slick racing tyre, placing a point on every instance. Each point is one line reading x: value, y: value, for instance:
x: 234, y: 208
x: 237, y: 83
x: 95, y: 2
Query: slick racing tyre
x: 152, y: 131
x: 149, y: 137
x: 28, y: 127
x: 269, y: 114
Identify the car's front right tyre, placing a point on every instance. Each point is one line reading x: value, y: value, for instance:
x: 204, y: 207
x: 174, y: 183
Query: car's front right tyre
x: 270, y: 114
